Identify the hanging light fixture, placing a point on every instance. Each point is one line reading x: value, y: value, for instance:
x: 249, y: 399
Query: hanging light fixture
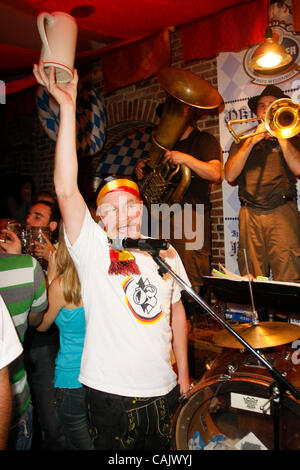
x: 269, y: 57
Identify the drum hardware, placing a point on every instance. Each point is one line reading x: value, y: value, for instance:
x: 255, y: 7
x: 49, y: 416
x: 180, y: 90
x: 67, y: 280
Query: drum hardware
x: 209, y: 363
x: 252, y: 361
x: 254, y: 312
x: 183, y: 397
x: 280, y: 382
x: 232, y: 368
x: 203, y: 422
x: 287, y: 355
x: 274, y: 397
x: 224, y: 377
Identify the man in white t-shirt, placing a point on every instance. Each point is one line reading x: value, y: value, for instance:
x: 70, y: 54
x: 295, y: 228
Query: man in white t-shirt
x: 10, y: 349
x: 133, y: 314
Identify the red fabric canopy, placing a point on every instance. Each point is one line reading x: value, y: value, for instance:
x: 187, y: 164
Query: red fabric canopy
x: 134, y: 62
x: 230, y: 30
x: 208, y: 27
x: 296, y: 15
x: 129, y: 18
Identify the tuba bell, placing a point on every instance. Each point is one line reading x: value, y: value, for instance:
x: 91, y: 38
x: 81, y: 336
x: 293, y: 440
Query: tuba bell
x: 164, y: 181
x: 282, y: 120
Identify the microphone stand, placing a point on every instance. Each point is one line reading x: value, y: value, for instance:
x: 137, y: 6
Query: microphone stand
x: 280, y: 384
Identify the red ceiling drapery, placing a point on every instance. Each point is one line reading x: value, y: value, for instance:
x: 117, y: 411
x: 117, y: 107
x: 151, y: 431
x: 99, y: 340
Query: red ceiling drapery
x: 145, y: 19
x: 296, y: 15
x: 18, y: 85
x: 130, y: 18
x: 135, y: 62
x: 232, y: 30
x: 16, y: 57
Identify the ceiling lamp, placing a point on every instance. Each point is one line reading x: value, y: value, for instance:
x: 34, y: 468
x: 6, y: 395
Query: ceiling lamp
x: 269, y: 57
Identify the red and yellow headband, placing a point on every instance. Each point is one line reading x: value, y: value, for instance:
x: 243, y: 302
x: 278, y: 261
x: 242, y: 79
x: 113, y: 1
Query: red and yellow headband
x: 121, y: 184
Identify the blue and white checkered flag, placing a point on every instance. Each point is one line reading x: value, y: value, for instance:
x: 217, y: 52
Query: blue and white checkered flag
x: 122, y: 158
x: 90, y: 119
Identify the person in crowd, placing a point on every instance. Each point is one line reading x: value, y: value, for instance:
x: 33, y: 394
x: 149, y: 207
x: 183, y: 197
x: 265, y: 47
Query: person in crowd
x: 44, y: 214
x: 45, y: 196
x: 266, y: 168
x: 132, y: 313
x: 20, y: 202
x: 10, y: 349
x: 41, y: 348
x: 67, y: 311
x: 201, y: 153
x: 23, y: 289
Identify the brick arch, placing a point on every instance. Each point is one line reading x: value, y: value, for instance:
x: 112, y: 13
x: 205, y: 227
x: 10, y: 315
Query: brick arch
x: 131, y: 110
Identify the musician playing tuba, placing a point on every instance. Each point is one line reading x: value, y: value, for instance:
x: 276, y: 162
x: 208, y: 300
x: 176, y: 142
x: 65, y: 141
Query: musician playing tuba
x: 201, y: 152
x: 265, y: 168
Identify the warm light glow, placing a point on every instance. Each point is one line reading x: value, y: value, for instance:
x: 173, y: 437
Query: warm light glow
x: 269, y: 60
x: 283, y: 118
x: 286, y: 133
x: 269, y: 56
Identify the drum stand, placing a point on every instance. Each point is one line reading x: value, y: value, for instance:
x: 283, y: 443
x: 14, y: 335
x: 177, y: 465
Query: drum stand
x: 280, y: 384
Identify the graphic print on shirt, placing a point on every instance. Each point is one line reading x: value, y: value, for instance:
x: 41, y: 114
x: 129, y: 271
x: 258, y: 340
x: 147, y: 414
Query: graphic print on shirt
x: 141, y: 298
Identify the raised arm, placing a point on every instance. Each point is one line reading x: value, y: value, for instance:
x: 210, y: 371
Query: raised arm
x: 70, y: 200
x: 56, y: 303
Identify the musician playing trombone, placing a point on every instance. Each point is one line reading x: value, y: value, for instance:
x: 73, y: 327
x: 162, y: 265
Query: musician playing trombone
x: 266, y: 168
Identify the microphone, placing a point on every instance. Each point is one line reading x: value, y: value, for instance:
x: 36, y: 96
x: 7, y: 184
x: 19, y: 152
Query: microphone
x: 143, y: 244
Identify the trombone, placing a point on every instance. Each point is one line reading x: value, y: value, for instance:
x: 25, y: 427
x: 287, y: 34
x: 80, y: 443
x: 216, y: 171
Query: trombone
x: 282, y: 120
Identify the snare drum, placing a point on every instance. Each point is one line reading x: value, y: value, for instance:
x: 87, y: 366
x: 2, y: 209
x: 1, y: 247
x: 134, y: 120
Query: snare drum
x: 229, y: 408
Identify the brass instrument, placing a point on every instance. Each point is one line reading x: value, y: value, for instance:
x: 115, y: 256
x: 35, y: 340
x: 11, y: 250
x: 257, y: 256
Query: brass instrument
x: 166, y: 182
x: 282, y: 120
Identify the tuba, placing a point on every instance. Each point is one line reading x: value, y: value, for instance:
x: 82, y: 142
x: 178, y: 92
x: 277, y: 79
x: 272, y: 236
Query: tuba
x: 282, y: 120
x: 164, y: 181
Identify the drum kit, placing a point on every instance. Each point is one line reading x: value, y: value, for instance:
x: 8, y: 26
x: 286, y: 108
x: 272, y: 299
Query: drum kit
x: 249, y: 397
x: 240, y: 403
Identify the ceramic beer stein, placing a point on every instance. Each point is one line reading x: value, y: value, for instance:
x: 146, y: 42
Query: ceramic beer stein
x: 58, y: 32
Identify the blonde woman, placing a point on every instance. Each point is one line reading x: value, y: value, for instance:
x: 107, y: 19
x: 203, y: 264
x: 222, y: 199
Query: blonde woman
x: 66, y: 310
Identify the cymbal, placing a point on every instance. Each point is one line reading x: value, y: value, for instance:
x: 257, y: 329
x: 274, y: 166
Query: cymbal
x: 261, y: 335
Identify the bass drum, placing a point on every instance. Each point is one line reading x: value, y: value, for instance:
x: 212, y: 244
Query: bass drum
x: 224, y: 410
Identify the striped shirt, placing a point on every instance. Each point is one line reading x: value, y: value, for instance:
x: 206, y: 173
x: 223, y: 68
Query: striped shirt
x: 23, y: 288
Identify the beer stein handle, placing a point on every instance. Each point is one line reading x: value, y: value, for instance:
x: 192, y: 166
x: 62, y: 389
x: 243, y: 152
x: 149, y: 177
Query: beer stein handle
x: 41, y: 27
